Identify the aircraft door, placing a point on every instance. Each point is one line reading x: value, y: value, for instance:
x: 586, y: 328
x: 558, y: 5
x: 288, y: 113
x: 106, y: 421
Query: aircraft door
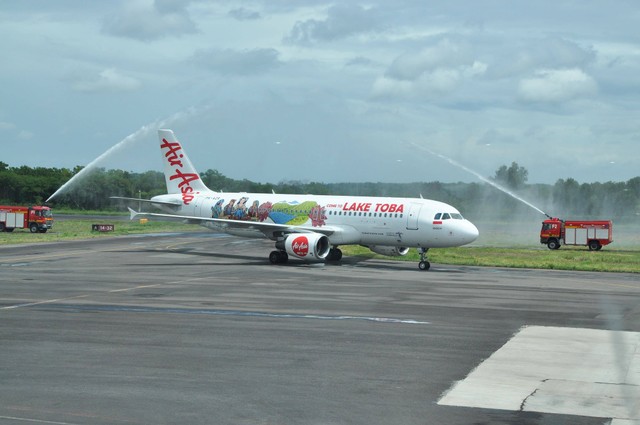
x: 412, y: 216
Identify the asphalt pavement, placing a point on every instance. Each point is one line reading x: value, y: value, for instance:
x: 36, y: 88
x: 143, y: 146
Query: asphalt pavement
x: 199, y: 328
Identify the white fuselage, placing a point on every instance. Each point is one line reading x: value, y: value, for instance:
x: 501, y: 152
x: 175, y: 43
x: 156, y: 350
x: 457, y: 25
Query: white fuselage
x: 399, y: 222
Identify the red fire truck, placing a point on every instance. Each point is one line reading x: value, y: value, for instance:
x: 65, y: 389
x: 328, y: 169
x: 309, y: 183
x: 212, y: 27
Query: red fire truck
x: 592, y: 233
x: 36, y: 219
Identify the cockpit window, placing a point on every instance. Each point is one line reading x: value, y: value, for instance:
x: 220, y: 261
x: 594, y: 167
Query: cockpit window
x: 447, y: 216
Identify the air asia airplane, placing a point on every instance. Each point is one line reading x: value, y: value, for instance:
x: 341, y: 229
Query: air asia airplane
x: 306, y: 227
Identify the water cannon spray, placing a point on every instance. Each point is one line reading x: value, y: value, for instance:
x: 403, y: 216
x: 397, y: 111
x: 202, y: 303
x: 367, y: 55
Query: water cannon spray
x: 140, y: 134
x: 481, y: 177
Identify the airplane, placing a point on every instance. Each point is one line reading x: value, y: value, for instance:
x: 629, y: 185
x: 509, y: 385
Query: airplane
x: 306, y: 227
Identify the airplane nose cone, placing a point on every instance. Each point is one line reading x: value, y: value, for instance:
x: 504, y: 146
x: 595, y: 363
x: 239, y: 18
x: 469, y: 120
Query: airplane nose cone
x: 469, y: 232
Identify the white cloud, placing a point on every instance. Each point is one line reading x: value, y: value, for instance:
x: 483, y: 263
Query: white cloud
x: 414, y: 71
x: 148, y: 20
x: 107, y: 80
x: 520, y: 56
x: 557, y: 85
x: 438, y: 68
x: 343, y: 20
x: 444, y: 54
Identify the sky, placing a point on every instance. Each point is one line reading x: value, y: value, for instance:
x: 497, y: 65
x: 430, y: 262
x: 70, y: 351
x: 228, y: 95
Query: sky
x: 275, y: 91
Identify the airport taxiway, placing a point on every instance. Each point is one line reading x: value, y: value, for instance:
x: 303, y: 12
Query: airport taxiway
x: 199, y: 328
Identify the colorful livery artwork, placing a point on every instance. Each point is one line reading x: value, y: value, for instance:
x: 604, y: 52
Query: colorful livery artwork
x: 307, y: 227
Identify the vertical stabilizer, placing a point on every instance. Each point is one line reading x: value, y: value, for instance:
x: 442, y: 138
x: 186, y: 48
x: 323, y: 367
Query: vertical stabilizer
x: 180, y: 175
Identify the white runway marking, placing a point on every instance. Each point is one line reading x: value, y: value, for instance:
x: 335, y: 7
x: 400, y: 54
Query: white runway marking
x: 11, y: 307
x: 39, y: 421
x: 585, y: 372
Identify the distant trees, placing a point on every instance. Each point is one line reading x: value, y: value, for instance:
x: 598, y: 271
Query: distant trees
x: 565, y: 198
x: 514, y: 177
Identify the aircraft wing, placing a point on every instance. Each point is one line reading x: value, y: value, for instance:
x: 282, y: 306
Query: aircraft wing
x: 268, y: 229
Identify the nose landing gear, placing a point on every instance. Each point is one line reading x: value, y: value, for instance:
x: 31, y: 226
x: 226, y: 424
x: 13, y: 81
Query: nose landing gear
x: 423, y: 264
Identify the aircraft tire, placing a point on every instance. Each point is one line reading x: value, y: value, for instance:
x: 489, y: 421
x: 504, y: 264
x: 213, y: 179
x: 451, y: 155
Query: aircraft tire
x: 424, y: 265
x: 278, y: 257
x: 335, y: 254
x: 274, y: 257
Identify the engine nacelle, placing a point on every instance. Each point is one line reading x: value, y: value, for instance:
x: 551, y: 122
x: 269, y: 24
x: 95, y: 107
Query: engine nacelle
x: 307, y: 246
x: 390, y: 251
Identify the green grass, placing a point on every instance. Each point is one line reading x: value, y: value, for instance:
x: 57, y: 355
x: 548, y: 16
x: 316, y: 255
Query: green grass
x: 70, y: 229
x: 566, y: 258
x: 532, y: 255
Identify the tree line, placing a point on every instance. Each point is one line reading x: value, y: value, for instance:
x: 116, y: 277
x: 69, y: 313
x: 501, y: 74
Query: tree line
x: 567, y: 198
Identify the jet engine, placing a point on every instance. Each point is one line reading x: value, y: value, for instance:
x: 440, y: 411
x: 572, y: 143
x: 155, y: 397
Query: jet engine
x: 307, y: 246
x: 390, y: 251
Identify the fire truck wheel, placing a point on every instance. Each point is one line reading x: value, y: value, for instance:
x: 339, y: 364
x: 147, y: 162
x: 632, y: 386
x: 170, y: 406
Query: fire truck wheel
x: 553, y: 244
x: 594, y: 246
x: 33, y: 228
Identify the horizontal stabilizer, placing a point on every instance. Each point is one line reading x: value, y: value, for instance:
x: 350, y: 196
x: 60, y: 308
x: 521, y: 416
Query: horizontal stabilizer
x: 132, y: 214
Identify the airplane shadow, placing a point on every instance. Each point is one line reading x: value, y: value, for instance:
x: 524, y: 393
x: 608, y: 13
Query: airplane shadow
x: 252, y: 260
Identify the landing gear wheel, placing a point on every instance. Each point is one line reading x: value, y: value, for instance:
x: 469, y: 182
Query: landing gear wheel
x: 423, y: 264
x: 274, y: 257
x: 278, y: 257
x: 335, y: 254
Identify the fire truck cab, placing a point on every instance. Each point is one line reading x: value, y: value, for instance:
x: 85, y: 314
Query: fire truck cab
x: 592, y: 233
x: 37, y: 219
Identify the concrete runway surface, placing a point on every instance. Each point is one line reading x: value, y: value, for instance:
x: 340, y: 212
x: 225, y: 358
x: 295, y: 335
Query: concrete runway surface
x: 199, y: 328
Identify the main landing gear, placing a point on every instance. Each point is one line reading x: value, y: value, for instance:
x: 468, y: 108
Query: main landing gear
x: 335, y: 254
x: 278, y: 257
x: 281, y: 256
x: 423, y: 264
